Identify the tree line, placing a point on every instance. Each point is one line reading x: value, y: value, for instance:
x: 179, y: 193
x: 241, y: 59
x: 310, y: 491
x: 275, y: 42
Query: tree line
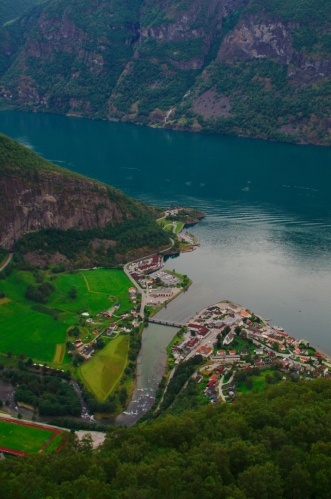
x: 271, y: 445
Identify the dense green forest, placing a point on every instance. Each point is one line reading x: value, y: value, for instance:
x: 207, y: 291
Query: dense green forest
x: 47, y: 394
x: 126, y: 237
x: 272, y: 445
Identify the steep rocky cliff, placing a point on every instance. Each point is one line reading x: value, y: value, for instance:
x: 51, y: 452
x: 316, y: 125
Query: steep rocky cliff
x: 259, y: 68
x: 35, y: 194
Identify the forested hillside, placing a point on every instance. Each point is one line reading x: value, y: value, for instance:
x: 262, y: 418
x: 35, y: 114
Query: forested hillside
x: 52, y: 211
x: 10, y: 9
x: 273, y: 445
x: 239, y: 67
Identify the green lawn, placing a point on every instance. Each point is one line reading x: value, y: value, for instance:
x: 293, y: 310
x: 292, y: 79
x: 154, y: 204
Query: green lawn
x: 23, y: 438
x: 179, y: 227
x: 111, y: 282
x: 102, y: 372
x: 54, y: 444
x: 92, y: 302
x: 25, y: 331
x: 258, y: 382
x: 163, y: 222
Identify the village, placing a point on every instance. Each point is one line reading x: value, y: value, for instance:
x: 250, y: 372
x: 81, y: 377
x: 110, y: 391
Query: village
x: 243, y: 352
x: 156, y: 286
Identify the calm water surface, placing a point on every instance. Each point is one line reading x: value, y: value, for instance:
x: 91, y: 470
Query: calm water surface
x: 266, y: 240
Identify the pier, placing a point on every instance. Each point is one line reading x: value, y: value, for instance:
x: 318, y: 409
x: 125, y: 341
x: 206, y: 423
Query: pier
x: 165, y: 323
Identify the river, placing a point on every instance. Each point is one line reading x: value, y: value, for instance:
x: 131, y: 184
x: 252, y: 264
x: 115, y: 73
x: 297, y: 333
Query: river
x: 266, y: 240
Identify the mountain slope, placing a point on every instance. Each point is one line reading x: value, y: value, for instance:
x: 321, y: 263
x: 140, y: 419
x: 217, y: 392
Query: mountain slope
x: 259, y: 68
x: 35, y: 195
x: 10, y: 9
x: 272, y: 445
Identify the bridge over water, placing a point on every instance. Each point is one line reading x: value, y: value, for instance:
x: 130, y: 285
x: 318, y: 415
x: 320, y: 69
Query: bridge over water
x: 166, y: 323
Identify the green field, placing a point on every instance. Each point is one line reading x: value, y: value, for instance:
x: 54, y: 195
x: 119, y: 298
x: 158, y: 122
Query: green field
x: 102, y: 372
x: 25, y: 331
x: 55, y: 443
x: 258, y: 382
x: 167, y: 225
x: 23, y: 438
x: 179, y: 226
x: 28, y: 327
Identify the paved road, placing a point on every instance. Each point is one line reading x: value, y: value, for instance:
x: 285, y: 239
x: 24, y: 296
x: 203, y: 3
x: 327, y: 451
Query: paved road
x: 10, y: 256
x: 165, y: 388
x: 144, y: 294
x: 220, y: 391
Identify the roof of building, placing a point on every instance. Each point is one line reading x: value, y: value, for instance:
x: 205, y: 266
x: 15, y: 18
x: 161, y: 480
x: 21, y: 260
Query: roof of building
x: 204, y: 350
x: 245, y: 314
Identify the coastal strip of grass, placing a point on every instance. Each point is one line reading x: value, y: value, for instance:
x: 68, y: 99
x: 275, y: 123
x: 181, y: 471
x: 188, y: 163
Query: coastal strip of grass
x: 103, y: 371
x: 19, y: 437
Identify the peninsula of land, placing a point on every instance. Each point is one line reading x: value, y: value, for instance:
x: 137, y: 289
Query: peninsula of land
x: 225, y: 351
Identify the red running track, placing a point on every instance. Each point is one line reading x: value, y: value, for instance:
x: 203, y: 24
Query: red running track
x: 32, y: 425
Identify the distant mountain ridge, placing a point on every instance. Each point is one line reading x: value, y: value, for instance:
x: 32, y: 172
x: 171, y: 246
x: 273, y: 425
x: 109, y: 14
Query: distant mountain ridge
x: 258, y: 68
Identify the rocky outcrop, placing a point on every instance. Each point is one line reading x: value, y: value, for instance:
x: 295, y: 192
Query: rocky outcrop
x: 200, y: 20
x: 34, y: 195
x: 305, y: 70
x: 51, y: 199
x: 272, y: 39
x: 255, y: 39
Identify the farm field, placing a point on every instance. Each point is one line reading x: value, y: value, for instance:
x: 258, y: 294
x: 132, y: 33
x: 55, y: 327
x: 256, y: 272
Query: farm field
x: 102, y: 372
x: 20, y: 437
x: 25, y: 331
x: 111, y: 281
x: 29, y: 328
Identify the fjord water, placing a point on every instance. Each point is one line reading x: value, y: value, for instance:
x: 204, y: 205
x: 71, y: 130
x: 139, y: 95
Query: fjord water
x: 266, y: 240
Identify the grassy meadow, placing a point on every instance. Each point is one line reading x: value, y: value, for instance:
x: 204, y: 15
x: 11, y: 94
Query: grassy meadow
x: 102, y: 372
x: 30, y: 328
x: 23, y: 438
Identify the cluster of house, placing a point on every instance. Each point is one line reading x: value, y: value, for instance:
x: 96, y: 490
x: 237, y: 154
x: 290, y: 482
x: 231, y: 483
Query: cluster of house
x: 173, y: 211
x: 133, y: 294
x: 107, y: 314
x: 146, y: 266
x: 85, y: 350
x: 268, y: 343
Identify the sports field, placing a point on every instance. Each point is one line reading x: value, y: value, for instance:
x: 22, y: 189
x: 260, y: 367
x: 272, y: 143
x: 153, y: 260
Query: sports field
x: 21, y: 437
x: 30, y: 328
x: 102, y: 372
